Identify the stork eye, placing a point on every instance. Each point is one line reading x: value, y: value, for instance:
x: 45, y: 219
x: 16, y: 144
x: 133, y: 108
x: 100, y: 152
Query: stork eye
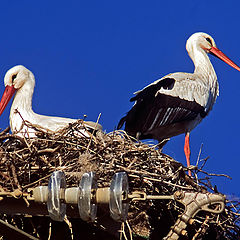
x: 209, y: 40
x: 13, y: 77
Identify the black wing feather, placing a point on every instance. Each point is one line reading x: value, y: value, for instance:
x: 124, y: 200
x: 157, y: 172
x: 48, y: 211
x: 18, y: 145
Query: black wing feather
x: 151, y: 90
x: 153, y: 111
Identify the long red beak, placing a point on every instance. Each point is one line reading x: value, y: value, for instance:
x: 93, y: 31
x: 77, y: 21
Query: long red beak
x: 7, y: 95
x: 216, y: 52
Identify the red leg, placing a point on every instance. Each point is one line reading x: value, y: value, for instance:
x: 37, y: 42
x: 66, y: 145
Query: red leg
x: 187, y: 151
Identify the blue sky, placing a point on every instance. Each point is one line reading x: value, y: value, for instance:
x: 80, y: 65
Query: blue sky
x: 88, y: 57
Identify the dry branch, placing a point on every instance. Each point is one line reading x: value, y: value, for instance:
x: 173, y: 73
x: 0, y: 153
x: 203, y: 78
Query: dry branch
x: 28, y: 163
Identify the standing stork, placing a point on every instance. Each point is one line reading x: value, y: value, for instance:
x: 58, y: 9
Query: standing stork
x: 178, y: 102
x: 21, y: 81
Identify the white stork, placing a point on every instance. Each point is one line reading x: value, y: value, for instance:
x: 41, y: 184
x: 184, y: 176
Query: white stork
x: 21, y: 81
x: 178, y: 102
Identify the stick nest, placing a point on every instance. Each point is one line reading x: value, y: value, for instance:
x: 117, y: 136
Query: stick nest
x: 27, y: 163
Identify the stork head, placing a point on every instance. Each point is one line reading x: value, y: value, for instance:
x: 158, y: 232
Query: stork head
x: 205, y: 42
x: 17, y: 76
x: 14, y: 80
x: 202, y: 40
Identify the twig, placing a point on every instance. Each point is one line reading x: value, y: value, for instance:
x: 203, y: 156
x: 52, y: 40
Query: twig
x: 214, y: 174
x: 93, y: 132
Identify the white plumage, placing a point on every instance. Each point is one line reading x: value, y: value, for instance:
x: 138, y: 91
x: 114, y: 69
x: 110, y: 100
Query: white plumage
x: 20, y: 80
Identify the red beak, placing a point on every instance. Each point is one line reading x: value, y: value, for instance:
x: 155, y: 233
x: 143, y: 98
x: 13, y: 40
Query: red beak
x: 216, y: 52
x: 7, y: 95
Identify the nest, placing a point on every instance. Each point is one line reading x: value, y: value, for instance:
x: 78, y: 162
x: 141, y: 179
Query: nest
x: 27, y: 163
